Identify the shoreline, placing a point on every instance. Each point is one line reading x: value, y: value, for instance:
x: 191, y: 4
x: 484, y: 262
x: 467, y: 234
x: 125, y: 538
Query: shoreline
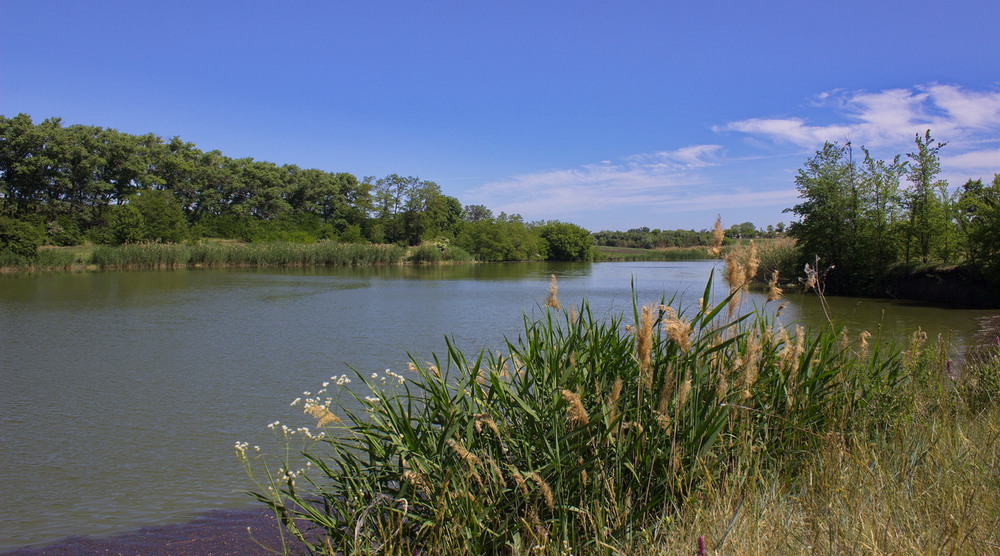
x: 218, y: 532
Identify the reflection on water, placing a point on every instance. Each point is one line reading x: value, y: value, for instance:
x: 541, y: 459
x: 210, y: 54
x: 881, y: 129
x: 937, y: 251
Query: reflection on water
x: 121, y: 394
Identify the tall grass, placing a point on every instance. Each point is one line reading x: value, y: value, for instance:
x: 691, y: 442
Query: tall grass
x: 595, y: 435
x: 605, y: 253
x: 294, y: 254
x: 141, y: 255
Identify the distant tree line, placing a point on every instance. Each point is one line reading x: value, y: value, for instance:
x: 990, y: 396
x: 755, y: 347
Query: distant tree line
x: 645, y: 238
x: 66, y: 185
x: 861, y: 218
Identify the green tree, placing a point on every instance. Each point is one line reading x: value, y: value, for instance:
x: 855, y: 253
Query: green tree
x: 824, y: 229
x: 926, y: 200
x: 126, y: 225
x: 981, y: 215
x: 19, y: 241
x: 565, y: 241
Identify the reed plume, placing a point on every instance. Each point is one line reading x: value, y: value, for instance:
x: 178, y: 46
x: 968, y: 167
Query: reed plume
x: 677, y: 329
x: 467, y: 456
x: 322, y: 415
x: 644, y: 347
x: 718, y: 234
x: 576, y: 415
x: 553, y: 298
x: 546, y: 490
x: 773, y: 290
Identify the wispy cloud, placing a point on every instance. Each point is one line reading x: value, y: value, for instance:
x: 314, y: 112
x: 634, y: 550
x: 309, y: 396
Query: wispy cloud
x: 888, y: 118
x: 659, y: 182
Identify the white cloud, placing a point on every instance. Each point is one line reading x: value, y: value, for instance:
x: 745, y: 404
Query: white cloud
x: 887, y: 118
x: 663, y: 182
x: 987, y: 160
x: 695, y: 156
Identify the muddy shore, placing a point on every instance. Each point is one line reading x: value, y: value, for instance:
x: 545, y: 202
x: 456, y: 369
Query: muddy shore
x: 216, y: 533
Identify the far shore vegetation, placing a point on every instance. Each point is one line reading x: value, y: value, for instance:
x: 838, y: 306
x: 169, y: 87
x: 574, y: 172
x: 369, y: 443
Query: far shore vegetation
x: 79, y: 197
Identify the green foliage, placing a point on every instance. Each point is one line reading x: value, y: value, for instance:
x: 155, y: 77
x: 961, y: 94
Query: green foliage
x: 64, y: 231
x: 55, y: 259
x: 980, y: 221
x: 126, y: 225
x: 928, y: 231
x: 79, y: 179
x: 162, y: 216
x: 603, y: 253
x: 19, y: 241
x: 644, y: 238
x: 499, y: 239
x: 584, y: 434
x: 565, y: 242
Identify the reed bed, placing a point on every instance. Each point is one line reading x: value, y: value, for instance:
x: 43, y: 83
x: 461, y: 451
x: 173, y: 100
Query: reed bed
x: 650, y: 434
x: 294, y: 254
x: 670, y: 254
x: 141, y: 256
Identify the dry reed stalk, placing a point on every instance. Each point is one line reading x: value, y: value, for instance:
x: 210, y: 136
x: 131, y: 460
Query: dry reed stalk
x: 485, y: 419
x: 863, y: 344
x: 664, y: 421
x: 418, y: 481
x: 736, y: 277
x: 616, y: 392
x: 322, y: 415
x: 576, y: 414
x: 518, y: 479
x: 669, y: 383
x: 718, y: 234
x: 773, y: 290
x: 545, y: 489
x: 644, y: 347
x: 553, y: 298
x: 751, y: 369
x: 466, y: 456
x: 683, y: 394
x: 677, y: 329
x: 752, y: 262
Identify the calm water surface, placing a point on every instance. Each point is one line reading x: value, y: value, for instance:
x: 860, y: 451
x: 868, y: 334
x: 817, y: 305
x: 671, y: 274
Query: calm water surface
x: 122, y: 393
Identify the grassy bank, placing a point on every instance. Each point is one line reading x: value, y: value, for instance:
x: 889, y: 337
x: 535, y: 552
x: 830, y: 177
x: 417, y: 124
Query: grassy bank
x: 230, y: 254
x: 673, y: 430
x: 606, y: 253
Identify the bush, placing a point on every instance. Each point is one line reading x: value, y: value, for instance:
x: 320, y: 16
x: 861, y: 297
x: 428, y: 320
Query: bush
x: 63, y: 231
x: 19, y: 241
x: 566, y: 242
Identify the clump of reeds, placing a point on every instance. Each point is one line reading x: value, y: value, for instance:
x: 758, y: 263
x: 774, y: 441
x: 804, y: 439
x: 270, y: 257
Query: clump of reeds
x: 141, y: 255
x: 599, y: 432
x: 325, y: 253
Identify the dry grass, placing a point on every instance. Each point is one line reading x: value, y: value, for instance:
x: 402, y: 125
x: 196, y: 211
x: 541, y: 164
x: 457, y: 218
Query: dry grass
x: 934, y: 490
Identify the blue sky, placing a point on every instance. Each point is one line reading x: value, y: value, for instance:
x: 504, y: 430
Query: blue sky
x: 611, y: 115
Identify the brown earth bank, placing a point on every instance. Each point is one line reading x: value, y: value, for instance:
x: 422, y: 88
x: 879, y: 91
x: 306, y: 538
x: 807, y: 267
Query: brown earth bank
x: 216, y: 533
x: 958, y: 285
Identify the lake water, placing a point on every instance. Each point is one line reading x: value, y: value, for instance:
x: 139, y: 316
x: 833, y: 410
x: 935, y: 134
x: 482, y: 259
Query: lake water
x: 122, y: 393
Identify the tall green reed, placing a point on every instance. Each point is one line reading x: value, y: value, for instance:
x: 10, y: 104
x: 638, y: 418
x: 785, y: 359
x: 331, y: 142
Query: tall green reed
x: 581, y: 433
